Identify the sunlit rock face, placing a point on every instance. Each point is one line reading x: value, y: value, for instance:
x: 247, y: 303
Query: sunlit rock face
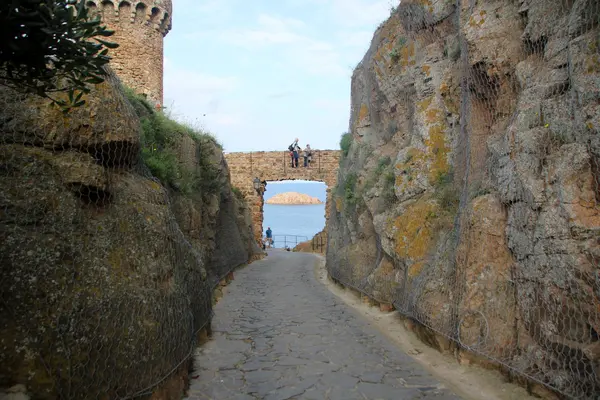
x: 469, y: 196
x: 293, y: 198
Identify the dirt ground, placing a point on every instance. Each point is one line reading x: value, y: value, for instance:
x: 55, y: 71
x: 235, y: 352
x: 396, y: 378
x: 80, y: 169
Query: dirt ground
x: 468, y: 381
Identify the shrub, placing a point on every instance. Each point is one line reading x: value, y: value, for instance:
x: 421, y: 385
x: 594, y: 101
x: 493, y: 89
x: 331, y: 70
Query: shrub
x: 444, y: 178
x: 345, y: 143
x: 389, y: 188
x: 350, y: 194
x: 52, y: 46
x: 141, y: 105
x: 162, y: 164
x: 448, y: 198
x: 159, y: 137
x: 445, y: 192
x: 238, y: 193
x: 395, y: 53
x: 382, y: 164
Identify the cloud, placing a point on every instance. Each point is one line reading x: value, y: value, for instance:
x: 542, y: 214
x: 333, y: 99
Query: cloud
x: 334, y: 105
x: 295, y: 181
x: 270, y: 30
x: 225, y: 119
x: 351, y: 12
x: 204, y: 9
x: 296, y: 48
x: 361, y: 12
x: 199, y: 98
x: 280, y: 95
x: 178, y: 79
x: 212, y: 106
x: 359, y: 39
x: 250, y: 69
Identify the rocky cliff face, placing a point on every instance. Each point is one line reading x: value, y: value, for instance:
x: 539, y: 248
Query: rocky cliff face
x: 106, y: 275
x: 469, y: 195
x: 293, y: 198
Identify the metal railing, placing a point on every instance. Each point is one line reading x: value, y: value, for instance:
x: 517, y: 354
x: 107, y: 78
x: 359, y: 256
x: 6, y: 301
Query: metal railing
x: 319, y: 243
x: 287, y: 241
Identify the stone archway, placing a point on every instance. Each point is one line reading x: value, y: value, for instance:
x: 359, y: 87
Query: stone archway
x: 276, y: 166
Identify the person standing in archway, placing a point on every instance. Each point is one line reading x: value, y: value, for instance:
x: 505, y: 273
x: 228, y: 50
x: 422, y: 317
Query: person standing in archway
x: 269, y: 233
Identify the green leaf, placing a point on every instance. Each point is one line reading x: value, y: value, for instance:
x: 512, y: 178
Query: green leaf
x: 110, y: 45
x: 78, y: 97
x: 61, y: 29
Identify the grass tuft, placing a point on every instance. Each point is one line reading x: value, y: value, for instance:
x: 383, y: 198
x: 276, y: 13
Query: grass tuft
x: 160, y: 135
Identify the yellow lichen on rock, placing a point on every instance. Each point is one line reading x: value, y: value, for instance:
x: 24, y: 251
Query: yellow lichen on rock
x: 435, y: 142
x: 477, y: 20
x: 427, y: 5
x: 406, y: 54
x: 415, y: 269
x: 363, y: 114
x: 414, y: 162
x: 424, y: 104
x: 438, y: 152
x: 339, y: 204
x: 413, y: 233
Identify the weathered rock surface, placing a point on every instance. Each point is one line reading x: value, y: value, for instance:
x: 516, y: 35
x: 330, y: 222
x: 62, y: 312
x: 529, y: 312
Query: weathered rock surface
x: 469, y: 196
x: 293, y: 198
x: 105, y: 274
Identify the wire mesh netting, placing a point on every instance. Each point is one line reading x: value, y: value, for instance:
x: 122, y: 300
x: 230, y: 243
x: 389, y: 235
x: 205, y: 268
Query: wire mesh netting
x: 106, y: 278
x: 501, y: 253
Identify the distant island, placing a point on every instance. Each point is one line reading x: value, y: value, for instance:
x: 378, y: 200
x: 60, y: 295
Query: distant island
x: 293, y: 198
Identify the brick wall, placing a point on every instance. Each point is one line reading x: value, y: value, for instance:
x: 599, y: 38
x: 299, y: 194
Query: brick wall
x: 276, y: 166
x: 140, y: 27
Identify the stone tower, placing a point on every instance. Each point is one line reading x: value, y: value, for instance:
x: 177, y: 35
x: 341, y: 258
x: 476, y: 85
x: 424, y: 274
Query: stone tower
x: 140, y: 26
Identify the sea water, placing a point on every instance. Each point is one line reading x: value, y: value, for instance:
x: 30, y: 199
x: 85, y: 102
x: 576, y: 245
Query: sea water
x: 297, y: 222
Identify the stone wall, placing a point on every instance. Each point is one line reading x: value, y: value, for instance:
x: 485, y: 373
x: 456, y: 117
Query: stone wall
x: 470, y: 194
x: 139, y: 30
x: 105, y: 273
x: 276, y: 166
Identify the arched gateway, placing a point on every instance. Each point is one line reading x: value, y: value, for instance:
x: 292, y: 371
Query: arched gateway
x: 276, y: 166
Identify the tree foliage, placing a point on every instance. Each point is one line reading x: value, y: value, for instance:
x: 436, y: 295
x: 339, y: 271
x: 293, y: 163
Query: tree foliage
x: 52, y: 46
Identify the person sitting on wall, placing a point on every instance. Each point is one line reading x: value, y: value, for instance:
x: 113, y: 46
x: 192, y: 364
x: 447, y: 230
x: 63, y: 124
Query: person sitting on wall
x: 307, y: 156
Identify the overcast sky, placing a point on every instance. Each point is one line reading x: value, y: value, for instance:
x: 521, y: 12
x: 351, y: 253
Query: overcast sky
x: 258, y: 73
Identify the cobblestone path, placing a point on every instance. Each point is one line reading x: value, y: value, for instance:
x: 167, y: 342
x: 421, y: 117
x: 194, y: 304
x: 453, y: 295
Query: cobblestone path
x: 280, y: 334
